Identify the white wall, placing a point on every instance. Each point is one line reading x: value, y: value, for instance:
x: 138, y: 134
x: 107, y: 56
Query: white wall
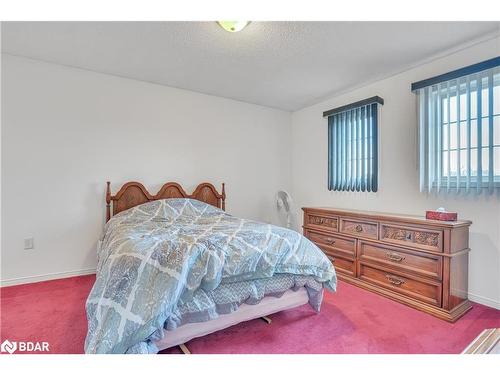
x: 398, y: 183
x: 66, y: 131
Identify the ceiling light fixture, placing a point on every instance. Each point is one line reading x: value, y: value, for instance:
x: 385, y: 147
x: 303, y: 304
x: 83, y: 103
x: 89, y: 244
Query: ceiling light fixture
x: 233, y: 26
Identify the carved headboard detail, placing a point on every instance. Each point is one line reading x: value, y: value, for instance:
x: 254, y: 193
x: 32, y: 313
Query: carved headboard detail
x: 134, y: 193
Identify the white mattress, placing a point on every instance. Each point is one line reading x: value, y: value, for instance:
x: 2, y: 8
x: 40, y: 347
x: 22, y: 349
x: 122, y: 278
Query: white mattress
x: 267, y: 306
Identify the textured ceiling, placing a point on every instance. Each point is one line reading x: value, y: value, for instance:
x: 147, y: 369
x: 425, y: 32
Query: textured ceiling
x: 286, y: 65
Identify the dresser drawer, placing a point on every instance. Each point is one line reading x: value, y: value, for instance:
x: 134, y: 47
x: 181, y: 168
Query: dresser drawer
x: 425, y: 291
x: 344, y: 245
x: 359, y: 228
x: 422, y: 264
x: 416, y: 237
x: 324, y: 222
x: 342, y: 265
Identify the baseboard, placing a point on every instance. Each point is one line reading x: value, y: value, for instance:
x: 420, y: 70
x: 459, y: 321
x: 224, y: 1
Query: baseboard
x: 484, y: 301
x: 46, y: 277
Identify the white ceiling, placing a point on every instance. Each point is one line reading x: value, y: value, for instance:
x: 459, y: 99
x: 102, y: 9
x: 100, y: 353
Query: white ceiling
x: 286, y: 65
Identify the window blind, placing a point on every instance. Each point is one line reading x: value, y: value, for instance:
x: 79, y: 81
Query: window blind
x: 353, y: 146
x: 459, y: 129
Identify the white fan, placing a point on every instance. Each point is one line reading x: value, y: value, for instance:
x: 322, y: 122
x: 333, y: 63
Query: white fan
x: 284, y: 204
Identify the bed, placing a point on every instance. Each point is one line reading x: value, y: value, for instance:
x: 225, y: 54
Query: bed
x: 174, y: 266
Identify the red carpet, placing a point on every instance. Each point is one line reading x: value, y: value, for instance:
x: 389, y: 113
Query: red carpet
x: 351, y: 321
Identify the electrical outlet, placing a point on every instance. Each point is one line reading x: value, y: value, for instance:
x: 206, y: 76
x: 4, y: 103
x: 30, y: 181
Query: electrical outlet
x: 28, y: 243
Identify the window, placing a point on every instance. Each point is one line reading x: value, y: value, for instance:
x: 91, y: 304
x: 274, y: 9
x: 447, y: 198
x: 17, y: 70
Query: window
x: 459, y: 129
x: 353, y: 146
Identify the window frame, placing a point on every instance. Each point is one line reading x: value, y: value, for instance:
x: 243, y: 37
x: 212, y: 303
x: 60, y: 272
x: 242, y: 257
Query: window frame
x: 473, y: 85
x: 346, y: 123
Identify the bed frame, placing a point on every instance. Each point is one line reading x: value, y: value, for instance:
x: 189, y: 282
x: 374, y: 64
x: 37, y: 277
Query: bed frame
x: 267, y: 306
x: 134, y: 193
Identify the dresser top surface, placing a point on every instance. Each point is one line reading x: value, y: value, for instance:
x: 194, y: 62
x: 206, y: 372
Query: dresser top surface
x: 384, y: 216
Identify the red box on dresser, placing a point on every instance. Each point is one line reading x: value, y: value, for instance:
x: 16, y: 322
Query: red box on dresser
x: 441, y: 215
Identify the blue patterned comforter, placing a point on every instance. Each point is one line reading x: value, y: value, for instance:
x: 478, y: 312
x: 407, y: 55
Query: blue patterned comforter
x: 161, y: 255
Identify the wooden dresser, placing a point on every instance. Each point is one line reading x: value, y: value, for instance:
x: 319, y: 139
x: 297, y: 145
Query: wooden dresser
x: 421, y: 263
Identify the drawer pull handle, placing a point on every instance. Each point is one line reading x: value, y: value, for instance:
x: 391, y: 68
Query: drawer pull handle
x: 329, y: 241
x: 394, y: 257
x: 395, y: 280
x: 359, y: 228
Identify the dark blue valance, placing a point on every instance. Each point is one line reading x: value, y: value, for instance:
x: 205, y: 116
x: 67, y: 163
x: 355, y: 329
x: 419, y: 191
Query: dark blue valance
x: 471, y: 69
x: 358, y: 104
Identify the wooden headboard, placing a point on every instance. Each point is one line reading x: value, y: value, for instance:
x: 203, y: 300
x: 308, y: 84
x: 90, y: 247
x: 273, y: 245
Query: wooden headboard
x: 134, y: 193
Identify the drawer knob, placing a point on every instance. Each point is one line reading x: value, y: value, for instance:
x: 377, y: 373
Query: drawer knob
x: 395, y: 280
x: 359, y: 228
x: 329, y: 241
x: 393, y: 257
